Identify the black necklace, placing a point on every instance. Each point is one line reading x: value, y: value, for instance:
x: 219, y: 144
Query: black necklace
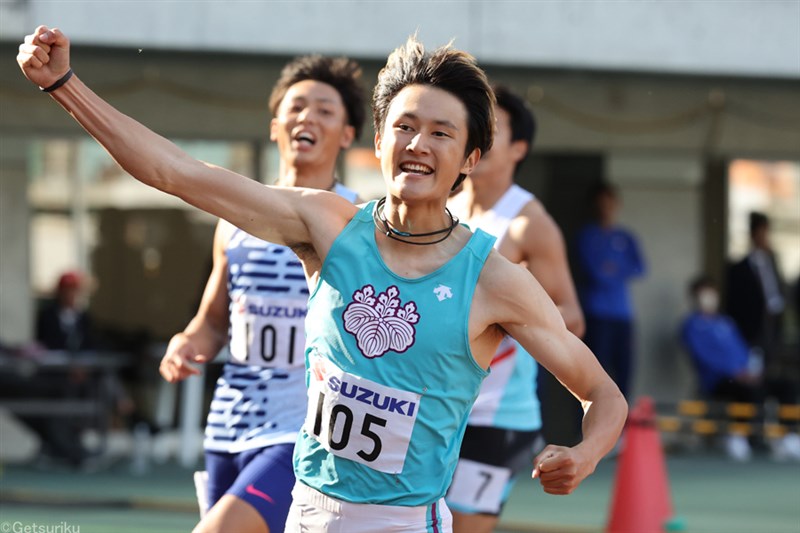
x: 380, y: 220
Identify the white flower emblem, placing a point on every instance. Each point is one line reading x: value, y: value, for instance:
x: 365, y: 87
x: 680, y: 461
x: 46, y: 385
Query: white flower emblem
x: 380, y: 324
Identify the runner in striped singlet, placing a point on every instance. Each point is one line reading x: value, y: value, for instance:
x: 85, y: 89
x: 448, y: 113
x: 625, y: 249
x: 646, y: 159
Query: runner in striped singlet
x: 256, y: 298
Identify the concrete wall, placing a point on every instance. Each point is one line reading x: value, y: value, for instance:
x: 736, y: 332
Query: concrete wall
x: 223, y: 96
x: 655, y: 131
x: 16, y: 304
x: 662, y: 201
x: 749, y: 38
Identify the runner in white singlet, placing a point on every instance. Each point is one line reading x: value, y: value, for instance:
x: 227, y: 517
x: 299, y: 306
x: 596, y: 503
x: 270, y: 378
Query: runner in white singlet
x: 506, y: 420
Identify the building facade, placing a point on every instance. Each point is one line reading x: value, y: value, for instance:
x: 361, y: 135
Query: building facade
x: 658, y: 98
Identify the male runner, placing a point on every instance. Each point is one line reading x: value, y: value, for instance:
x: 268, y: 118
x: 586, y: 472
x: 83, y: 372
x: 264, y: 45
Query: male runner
x: 407, y: 308
x: 505, y: 420
x: 257, y: 291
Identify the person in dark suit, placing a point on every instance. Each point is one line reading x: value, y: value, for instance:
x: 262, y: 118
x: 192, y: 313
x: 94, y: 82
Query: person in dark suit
x: 63, y: 324
x: 755, y: 293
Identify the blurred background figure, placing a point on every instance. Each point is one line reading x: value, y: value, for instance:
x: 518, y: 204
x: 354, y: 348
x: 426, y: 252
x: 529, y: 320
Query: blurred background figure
x: 63, y: 323
x: 64, y: 329
x: 608, y: 258
x: 755, y: 295
x: 797, y: 303
x: 728, y: 371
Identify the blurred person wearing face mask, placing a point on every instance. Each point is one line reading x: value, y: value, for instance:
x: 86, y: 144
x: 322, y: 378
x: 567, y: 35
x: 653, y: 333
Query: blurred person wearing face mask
x: 728, y: 370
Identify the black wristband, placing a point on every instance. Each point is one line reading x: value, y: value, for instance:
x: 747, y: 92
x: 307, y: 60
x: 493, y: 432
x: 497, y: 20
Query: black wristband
x: 61, y: 81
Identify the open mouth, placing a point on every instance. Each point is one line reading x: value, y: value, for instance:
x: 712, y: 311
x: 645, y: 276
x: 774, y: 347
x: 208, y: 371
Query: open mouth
x: 305, y: 138
x: 416, y: 168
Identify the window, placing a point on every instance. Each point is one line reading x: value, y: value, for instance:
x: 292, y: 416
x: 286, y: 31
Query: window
x: 149, y: 253
x: 773, y: 188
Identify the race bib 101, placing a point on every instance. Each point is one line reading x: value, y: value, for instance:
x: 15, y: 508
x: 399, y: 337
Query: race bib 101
x: 268, y: 332
x: 358, y: 419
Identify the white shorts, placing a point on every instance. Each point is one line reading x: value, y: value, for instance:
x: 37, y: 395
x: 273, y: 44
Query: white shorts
x: 314, y: 512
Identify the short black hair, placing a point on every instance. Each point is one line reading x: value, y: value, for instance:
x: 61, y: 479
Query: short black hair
x: 341, y: 73
x: 702, y: 281
x: 603, y: 188
x: 445, y: 68
x: 758, y: 221
x: 523, y: 121
x: 600, y: 189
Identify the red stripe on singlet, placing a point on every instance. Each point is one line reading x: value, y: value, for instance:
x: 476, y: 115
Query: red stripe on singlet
x: 511, y: 350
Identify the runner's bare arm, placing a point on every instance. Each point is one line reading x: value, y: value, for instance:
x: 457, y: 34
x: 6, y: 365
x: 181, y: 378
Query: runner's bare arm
x: 518, y: 304
x: 544, y: 253
x: 276, y: 215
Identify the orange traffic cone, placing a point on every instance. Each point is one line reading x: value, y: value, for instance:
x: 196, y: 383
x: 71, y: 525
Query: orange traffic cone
x: 641, y: 501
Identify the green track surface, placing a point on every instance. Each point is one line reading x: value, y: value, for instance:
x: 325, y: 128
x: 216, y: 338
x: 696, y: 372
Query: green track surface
x: 710, y: 494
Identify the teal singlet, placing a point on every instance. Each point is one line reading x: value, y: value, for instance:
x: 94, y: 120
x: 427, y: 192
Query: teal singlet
x: 391, y: 378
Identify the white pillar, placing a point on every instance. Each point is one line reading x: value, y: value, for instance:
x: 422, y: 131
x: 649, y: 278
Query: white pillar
x: 191, y: 420
x: 16, y: 303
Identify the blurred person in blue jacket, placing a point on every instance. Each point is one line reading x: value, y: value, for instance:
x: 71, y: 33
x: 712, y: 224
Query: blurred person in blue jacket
x: 609, y: 257
x: 728, y: 370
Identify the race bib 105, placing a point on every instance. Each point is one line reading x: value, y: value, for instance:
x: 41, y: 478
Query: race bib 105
x: 359, y: 419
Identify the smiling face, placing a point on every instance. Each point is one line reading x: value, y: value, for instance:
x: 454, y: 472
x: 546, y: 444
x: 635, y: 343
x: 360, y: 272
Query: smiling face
x: 310, y: 126
x: 422, y: 144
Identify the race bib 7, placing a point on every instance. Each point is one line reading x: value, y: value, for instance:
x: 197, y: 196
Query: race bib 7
x: 359, y: 419
x: 478, y: 487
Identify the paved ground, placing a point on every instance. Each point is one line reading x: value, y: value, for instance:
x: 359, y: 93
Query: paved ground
x: 709, y: 493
